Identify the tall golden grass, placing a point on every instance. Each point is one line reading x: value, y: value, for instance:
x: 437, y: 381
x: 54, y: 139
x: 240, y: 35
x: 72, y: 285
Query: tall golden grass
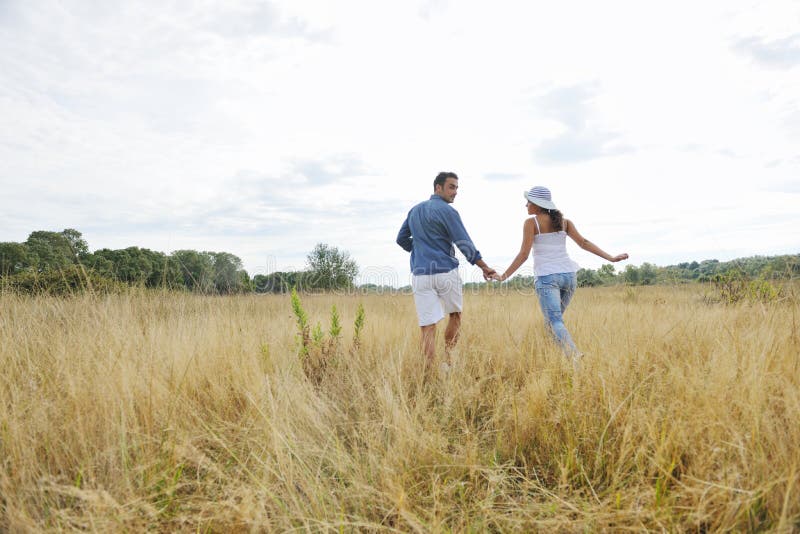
x: 171, y: 412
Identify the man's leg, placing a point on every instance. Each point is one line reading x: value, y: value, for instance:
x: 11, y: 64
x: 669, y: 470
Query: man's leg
x: 428, y: 343
x: 452, y: 332
x: 429, y: 312
x: 450, y: 290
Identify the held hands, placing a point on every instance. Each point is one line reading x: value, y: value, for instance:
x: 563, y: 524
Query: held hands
x: 489, y: 273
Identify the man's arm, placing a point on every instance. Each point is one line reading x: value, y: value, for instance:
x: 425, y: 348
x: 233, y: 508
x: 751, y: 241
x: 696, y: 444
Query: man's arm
x: 404, y: 238
x: 460, y: 237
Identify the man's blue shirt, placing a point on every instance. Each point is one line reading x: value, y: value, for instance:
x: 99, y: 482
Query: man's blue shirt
x: 429, y: 232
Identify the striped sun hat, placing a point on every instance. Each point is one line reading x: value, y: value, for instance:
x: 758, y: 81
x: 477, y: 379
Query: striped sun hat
x: 541, y: 197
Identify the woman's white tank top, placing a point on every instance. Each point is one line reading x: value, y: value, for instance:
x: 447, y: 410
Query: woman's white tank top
x: 550, y: 253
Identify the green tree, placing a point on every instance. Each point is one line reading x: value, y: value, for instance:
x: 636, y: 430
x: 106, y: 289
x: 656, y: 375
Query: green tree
x: 709, y: 267
x: 78, y: 245
x: 606, y: 273
x: 261, y: 284
x: 166, y: 271
x: 782, y: 267
x: 245, y: 283
x: 229, y: 276
x: 102, y: 262
x: 13, y: 258
x: 631, y: 275
x: 131, y: 265
x: 588, y: 278
x: 136, y: 265
x: 331, y: 268
x: 280, y: 282
x: 647, y: 274
x: 196, y: 268
x: 50, y: 251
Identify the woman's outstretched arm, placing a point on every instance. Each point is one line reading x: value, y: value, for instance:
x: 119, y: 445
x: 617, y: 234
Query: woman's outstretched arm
x: 587, y: 245
x: 524, y: 250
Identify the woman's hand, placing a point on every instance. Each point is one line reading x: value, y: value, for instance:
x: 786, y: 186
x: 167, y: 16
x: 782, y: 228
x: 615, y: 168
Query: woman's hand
x: 619, y: 257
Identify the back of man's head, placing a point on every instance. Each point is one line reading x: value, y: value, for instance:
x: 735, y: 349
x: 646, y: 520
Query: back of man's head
x: 442, y: 177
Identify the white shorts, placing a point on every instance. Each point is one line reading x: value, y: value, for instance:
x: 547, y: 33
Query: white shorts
x: 437, y: 294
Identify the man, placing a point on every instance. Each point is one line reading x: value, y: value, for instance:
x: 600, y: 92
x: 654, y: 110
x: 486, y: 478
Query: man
x: 429, y: 233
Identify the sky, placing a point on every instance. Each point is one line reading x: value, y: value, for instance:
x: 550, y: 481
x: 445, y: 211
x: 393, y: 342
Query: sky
x: 667, y: 130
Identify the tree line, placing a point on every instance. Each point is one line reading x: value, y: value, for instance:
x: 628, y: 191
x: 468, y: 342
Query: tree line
x: 783, y: 267
x: 60, y: 262
x: 756, y: 267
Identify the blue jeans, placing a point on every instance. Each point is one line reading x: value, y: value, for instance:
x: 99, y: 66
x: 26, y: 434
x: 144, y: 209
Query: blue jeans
x: 555, y: 291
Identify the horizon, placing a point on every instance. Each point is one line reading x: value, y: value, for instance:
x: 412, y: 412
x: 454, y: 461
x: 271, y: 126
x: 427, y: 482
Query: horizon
x: 378, y: 277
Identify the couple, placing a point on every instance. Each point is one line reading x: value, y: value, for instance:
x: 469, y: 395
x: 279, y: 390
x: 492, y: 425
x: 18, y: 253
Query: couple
x: 433, y: 227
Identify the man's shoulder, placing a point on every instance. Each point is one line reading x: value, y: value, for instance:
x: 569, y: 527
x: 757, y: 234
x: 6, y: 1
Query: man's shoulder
x: 439, y: 204
x: 415, y: 208
x: 435, y: 207
x: 428, y: 204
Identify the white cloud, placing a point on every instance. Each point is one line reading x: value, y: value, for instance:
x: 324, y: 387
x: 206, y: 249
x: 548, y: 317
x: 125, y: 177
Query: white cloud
x: 780, y: 53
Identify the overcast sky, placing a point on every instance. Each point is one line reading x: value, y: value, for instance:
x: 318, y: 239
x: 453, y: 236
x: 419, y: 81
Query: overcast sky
x: 668, y: 130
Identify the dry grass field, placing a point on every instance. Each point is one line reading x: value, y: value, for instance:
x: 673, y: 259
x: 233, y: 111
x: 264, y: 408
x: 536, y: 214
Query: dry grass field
x: 170, y: 412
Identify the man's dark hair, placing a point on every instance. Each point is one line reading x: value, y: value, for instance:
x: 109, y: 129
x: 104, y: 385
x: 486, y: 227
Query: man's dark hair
x: 442, y: 177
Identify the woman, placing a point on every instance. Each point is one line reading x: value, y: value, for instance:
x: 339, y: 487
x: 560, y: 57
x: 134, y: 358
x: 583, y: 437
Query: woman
x: 554, y: 271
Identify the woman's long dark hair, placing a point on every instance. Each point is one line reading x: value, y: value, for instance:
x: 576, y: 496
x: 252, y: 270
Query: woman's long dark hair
x: 557, y: 218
